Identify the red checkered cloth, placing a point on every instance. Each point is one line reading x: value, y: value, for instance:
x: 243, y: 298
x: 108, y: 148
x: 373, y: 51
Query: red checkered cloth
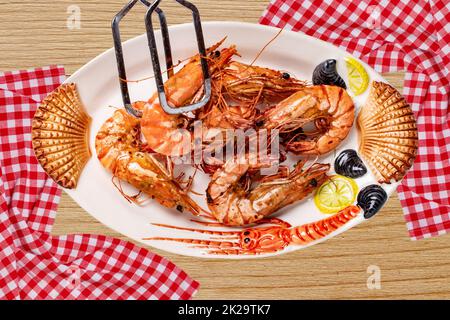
x: 409, y: 35
x: 36, y: 265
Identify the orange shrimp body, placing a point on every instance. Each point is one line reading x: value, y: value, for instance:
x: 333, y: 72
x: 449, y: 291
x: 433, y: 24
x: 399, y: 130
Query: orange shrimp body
x: 222, y: 116
x: 164, y: 132
x: 237, y: 91
x: 329, y: 108
x: 231, y: 204
x: 245, y: 83
x: 118, y: 149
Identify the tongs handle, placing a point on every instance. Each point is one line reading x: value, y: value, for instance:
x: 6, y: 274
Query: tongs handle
x: 154, y: 55
x: 156, y: 66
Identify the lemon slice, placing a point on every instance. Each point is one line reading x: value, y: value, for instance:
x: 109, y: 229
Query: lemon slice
x: 336, y: 194
x: 357, y: 76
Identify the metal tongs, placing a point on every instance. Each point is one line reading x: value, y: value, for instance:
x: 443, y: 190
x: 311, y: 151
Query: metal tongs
x: 154, y: 55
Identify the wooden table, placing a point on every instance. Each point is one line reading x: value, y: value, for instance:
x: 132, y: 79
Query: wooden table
x: 34, y: 33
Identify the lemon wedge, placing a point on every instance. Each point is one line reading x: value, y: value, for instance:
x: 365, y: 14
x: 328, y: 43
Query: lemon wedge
x: 336, y: 194
x: 357, y: 76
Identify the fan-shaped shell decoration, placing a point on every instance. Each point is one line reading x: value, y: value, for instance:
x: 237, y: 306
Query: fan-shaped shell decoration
x: 60, y: 131
x: 388, y: 139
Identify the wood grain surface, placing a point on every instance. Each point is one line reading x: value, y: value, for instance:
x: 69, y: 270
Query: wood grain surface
x: 35, y: 33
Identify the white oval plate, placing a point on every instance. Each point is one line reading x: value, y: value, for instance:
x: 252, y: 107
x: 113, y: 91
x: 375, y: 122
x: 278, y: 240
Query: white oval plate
x: 98, y: 86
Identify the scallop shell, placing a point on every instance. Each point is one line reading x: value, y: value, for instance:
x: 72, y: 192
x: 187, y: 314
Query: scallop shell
x: 388, y: 139
x: 326, y: 73
x: 60, y: 131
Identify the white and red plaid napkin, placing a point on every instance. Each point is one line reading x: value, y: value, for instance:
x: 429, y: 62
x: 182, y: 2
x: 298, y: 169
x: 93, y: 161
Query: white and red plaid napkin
x: 36, y: 265
x: 408, y: 35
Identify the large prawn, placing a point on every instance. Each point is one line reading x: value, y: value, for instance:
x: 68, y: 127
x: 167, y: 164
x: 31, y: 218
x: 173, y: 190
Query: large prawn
x: 239, y: 94
x: 165, y: 133
x: 238, y: 90
x: 245, y: 83
x: 118, y: 148
x: 263, y: 240
x: 329, y: 108
x: 233, y: 204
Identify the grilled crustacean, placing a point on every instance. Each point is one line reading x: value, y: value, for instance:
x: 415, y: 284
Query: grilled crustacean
x: 239, y: 88
x: 239, y: 95
x: 118, y: 148
x: 244, y: 83
x: 329, y: 108
x: 235, y: 204
x: 166, y: 133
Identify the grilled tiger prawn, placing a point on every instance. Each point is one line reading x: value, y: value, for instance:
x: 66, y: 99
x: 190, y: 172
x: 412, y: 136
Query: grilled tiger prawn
x: 231, y: 204
x: 237, y: 91
x: 245, y: 83
x: 329, y: 108
x: 119, y: 150
x: 165, y: 133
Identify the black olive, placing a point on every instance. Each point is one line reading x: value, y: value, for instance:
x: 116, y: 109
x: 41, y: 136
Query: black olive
x: 217, y: 53
x: 246, y: 233
x: 285, y: 75
x: 313, y: 182
x: 246, y: 240
x: 180, y: 208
